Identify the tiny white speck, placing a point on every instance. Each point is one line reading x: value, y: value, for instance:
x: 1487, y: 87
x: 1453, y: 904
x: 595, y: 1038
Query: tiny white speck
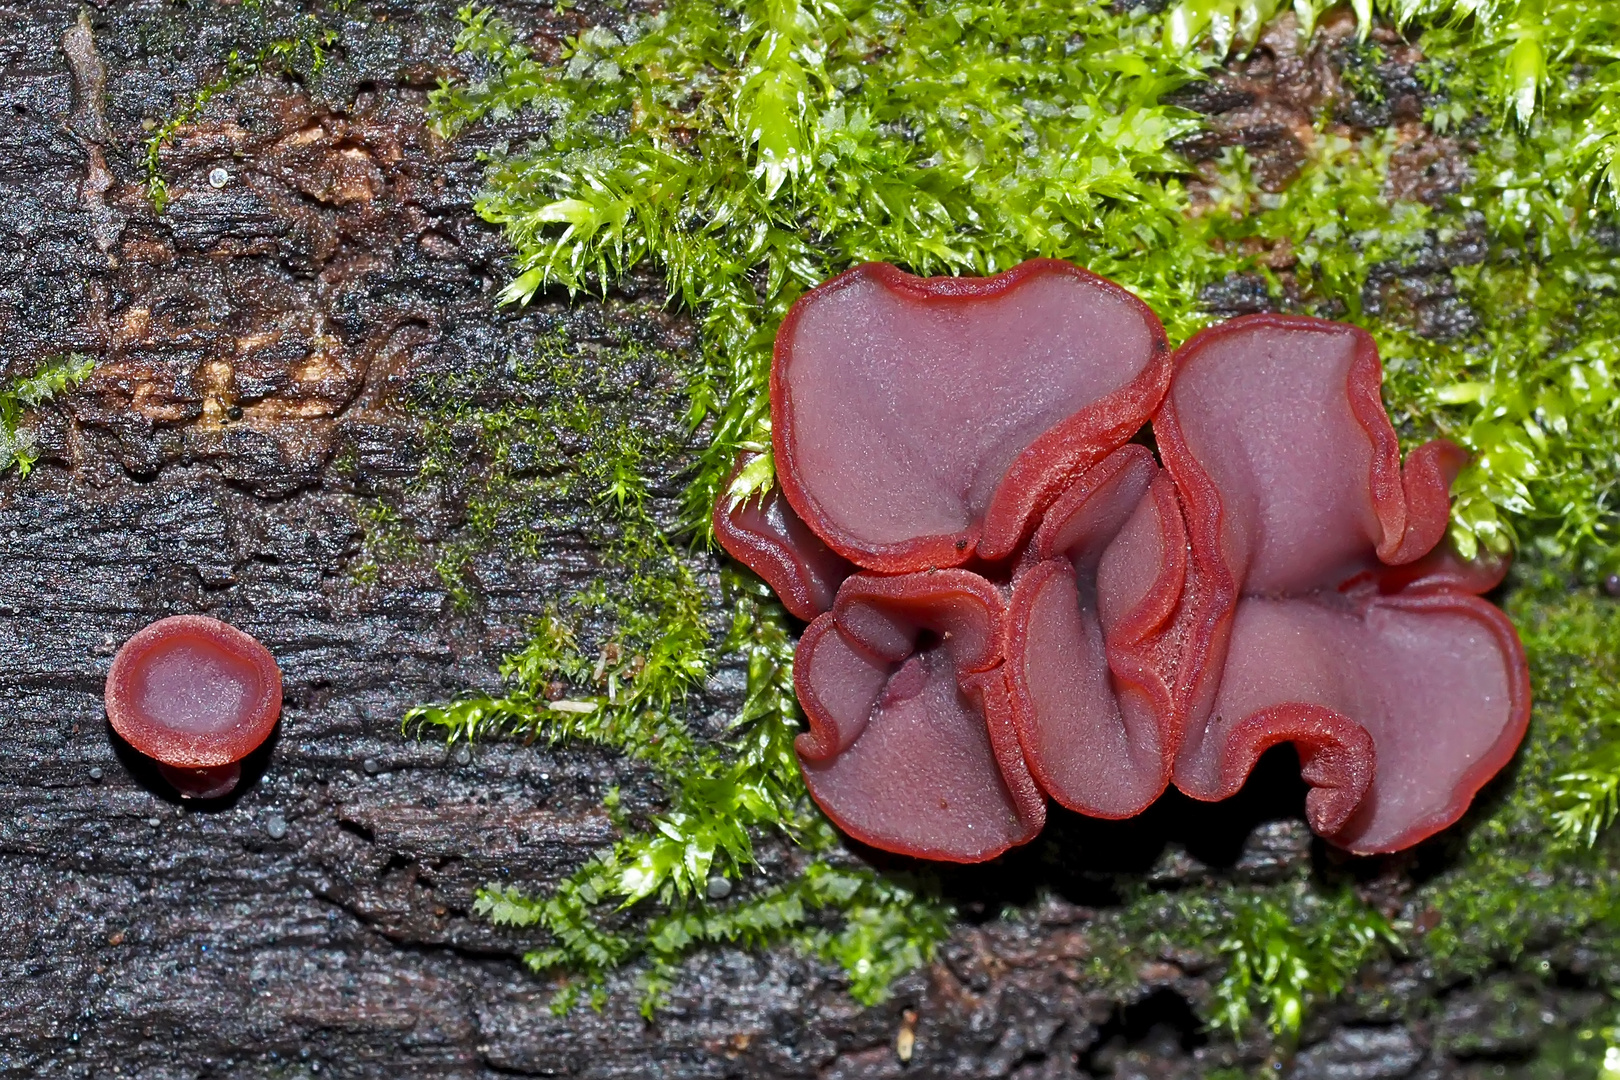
x: 219, y: 178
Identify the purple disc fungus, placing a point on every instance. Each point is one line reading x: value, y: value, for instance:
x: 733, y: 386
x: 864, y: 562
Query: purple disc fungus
x: 920, y: 422
x: 762, y: 532
x: 1014, y: 599
x: 196, y: 695
x: 911, y: 746
x: 1402, y: 691
x: 1085, y: 635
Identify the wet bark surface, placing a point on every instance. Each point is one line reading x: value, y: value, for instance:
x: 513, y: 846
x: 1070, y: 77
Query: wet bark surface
x: 254, y: 345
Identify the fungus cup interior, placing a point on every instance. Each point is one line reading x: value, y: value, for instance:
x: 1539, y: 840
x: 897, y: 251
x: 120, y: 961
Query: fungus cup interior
x: 918, y: 422
x: 910, y: 746
x: 1107, y: 565
x: 1401, y: 690
x: 197, y: 695
x: 1277, y: 574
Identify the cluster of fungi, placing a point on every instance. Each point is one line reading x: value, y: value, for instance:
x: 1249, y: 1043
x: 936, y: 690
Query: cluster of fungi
x: 1011, y: 597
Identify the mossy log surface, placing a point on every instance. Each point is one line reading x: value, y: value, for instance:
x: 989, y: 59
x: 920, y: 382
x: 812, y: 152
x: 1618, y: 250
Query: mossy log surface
x: 255, y: 345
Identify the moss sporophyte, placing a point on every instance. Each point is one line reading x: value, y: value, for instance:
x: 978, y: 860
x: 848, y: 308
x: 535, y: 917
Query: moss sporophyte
x: 747, y: 151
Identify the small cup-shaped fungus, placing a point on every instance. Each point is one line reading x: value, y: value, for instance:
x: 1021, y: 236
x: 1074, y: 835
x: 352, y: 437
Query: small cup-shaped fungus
x: 1090, y: 699
x: 910, y: 747
x: 763, y: 532
x: 196, y: 695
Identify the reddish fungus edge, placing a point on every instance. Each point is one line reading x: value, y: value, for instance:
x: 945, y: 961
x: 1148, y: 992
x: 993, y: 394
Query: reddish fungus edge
x: 819, y: 741
x: 779, y: 563
x: 1188, y: 609
x: 209, y: 783
x: 814, y: 744
x: 1412, y: 506
x: 990, y: 690
x: 1043, y: 470
x: 982, y: 680
x: 1131, y: 648
x: 1035, y: 477
x: 1209, y: 591
x: 774, y: 564
x: 1440, y: 571
x: 179, y: 749
x: 1337, y: 759
x: 910, y: 592
x: 1047, y: 541
x: 1507, y: 743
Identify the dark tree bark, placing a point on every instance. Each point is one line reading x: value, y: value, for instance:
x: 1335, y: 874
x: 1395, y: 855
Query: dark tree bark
x: 318, y: 922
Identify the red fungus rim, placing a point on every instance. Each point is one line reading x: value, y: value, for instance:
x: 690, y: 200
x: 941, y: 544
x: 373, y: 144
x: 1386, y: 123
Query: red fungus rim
x: 1493, y: 760
x: 193, y: 750
x: 1132, y: 664
x: 1415, y: 505
x: 1034, y: 478
x: 1186, y: 616
x: 774, y: 562
x: 983, y: 678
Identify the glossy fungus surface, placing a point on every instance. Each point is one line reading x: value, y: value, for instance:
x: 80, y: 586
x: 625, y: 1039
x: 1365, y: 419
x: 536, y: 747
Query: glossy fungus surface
x: 910, y: 746
x: 764, y: 533
x: 918, y: 422
x: 1402, y: 691
x: 1088, y: 686
x: 197, y: 695
x: 1013, y: 599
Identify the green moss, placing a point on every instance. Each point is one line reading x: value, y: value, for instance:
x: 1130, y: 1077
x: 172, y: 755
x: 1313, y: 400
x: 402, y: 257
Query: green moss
x: 721, y: 801
x: 54, y: 376
x: 1537, y: 869
x: 763, y: 146
x: 1285, y: 948
x: 571, y: 439
x: 749, y: 150
x: 750, y: 153
x: 883, y: 931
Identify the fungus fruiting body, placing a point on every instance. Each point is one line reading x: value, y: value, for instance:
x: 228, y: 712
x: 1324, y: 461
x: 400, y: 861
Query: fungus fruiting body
x: 902, y: 684
x: 1403, y: 697
x: 1011, y: 599
x: 197, y: 695
x: 1088, y: 687
x: 920, y: 422
x: 767, y: 535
